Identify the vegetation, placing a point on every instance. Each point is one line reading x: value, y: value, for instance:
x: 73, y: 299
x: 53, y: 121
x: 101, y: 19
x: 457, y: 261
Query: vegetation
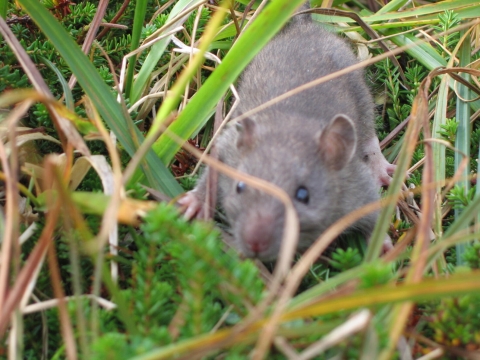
x: 92, y: 268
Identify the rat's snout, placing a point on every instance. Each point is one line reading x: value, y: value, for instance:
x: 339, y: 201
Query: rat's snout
x: 258, y: 233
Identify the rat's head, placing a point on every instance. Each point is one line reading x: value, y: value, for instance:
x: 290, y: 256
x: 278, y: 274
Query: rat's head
x: 304, y: 162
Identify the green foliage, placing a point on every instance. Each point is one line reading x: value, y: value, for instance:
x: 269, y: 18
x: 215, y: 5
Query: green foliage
x: 448, y: 20
x: 10, y: 78
x: 458, y: 198
x: 188, y: 183
x: 472, y: 256
x: 179, y: 278
x: 204, y: 17
x: 81, y: 14
x: 399, y: 108
x: 449, y: 130
x: 376, y: 273
x: 414, y: 74
x: 345, y: 259
x: 456, y: 321
x: 42, y: 116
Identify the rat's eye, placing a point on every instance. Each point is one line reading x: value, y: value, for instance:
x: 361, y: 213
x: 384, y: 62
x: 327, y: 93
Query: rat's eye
x: 240, y: 187
x: 302, y: 195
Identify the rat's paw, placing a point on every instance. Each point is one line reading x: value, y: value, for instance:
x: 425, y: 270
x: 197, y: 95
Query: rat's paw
x: 387, y: 245
x: 384, y: 172
x: 190, y: 205
x: 381, y: 168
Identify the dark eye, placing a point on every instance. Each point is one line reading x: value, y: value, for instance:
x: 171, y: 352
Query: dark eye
x: 302, y: 195
x: 240, y: 187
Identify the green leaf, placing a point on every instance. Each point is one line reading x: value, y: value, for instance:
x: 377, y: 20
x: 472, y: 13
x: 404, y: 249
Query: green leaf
x: 66, y: 90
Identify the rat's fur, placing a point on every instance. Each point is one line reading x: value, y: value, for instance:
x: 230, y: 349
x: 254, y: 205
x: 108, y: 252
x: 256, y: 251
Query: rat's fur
x: 284, y: 145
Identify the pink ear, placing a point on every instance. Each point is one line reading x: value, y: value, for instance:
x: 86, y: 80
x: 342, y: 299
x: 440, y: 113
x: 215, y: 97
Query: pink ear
x: 337, y: 142
x: 246, y: 133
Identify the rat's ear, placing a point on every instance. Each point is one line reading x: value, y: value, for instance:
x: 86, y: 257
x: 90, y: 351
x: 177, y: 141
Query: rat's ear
x: 337, y: 142
x: 246, y: 133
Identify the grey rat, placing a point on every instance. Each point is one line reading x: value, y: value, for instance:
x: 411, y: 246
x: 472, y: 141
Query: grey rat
x: 319, y: 145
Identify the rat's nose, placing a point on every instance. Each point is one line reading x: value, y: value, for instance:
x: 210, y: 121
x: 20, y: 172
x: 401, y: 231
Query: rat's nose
x: 258, y: 233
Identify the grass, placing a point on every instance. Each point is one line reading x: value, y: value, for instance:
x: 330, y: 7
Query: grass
x: 90, y: 267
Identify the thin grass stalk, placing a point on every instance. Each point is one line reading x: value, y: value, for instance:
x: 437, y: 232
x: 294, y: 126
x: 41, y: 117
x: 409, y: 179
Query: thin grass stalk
x: 401, y: 312
x: 56, y: 178
x: 109, y: 222
x: 36, y: 256
x: 173, y: 96
x: 77, y: 291
x: 420, y: 250
x: 9, y: 255
x: 464, y: 130
x: 439, y: 120
x: 324, y: 287
x: 158, y: 49
x: 18, y: 330
x: 477, y: 195
x: 406, y: 152
x: 140, y: 11
x: 15, y: 338
x: 67, y: 93
x: 466, y: 9
x: 65, y: 322
x: 74, y: 220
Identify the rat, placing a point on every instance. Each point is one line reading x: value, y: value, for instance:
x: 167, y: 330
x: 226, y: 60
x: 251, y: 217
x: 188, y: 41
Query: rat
x: 319, y: 145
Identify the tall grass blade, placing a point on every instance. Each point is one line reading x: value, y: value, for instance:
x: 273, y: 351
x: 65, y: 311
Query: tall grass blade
x: 464, y: 131
x: 140, y: 11
x: 439, y: 120
x: 102, y: 96
x: 66, y: 90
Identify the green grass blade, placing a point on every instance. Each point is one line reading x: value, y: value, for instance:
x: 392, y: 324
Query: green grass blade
x: 102, y: 96
x: 3, y: 9
x: 423, y: 52
x: 140, y: 11
x: 439, y: 120
x: 194, y: 116
x: 464, y: 131
x: 391, y: 6
x: 66, y: 90
x: 464, y: 8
